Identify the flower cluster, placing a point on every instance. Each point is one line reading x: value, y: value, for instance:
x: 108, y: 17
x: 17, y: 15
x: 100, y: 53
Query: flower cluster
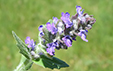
x: 60, y: 33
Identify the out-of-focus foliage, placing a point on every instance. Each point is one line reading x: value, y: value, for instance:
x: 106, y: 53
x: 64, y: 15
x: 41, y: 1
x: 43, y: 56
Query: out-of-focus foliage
x: 24, y: 17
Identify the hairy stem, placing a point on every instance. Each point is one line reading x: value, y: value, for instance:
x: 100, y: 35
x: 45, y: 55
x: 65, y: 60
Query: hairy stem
x: 24, y: 65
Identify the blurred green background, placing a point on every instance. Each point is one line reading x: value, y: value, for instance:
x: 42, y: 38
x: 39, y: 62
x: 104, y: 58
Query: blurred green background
x: 24, y: 17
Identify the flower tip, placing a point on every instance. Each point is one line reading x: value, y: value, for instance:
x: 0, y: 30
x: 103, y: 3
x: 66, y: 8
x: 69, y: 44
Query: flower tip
x: 62, y: 13
x: 78, y: 6
x: 40, y: 27
x: 48, y: 23
x: 27, y: 40
x: 27, y: 37
x: 86, y: 40
x: 67, y: 13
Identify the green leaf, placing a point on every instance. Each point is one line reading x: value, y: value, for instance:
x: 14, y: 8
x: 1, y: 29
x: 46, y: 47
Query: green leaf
x: 22, y: 46
x: 51, y: 63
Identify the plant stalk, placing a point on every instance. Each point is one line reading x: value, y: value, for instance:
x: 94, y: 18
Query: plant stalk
x: 24, y: 65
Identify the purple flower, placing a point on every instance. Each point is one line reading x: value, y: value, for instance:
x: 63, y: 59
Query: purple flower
x: 51, y: 28
x: 66, y: 18
x: 51, y: 48
x: 55, y: 20
x: 67, y: 40
x: 41, y: 31
x: 78, y: 8
x: 80, y: 13
x: 40, y: 28
x: 31, y: 43
x: 41, y: 34
x: 82, y: 34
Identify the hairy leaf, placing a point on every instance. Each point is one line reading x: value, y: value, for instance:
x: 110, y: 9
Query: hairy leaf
x: 51, y: 63
x: 22, y: 46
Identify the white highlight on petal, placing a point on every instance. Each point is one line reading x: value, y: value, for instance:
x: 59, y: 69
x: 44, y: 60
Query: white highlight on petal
x: 32, y: 53
x: 60, y: 27
x: 75, y: 24
x: 36, y: 56
x: 71, y: 32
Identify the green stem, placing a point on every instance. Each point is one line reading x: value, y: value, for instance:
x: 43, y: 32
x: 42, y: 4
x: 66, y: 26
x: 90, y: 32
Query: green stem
x: 24, y: 65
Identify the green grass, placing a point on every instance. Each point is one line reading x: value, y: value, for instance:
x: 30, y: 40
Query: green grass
x: 24, y: 17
